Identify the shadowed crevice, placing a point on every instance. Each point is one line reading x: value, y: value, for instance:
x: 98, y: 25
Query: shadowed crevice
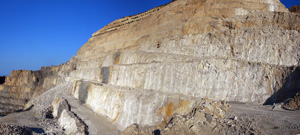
x: 289, y: 89
x: 2, y: 79
x: 38, y: 130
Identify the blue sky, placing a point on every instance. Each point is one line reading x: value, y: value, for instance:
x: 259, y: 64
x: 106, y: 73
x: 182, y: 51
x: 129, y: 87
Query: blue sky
x: 35, y: 33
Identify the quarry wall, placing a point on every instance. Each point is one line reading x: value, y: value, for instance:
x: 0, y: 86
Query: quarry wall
x: 145, y: 68
x: 161, y: 64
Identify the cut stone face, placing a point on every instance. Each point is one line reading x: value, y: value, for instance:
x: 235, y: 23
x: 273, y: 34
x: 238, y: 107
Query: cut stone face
x: 144, y: 68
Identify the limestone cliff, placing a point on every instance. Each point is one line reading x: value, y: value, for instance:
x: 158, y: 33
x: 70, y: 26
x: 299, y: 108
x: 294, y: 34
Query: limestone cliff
x: 145, y: 68
x: 225, y: 50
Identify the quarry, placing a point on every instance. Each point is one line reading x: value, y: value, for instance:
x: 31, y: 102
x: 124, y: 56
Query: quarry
x: 190, y: 67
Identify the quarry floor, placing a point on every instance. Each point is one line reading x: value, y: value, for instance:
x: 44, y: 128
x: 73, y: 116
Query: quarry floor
x: 265, y: 119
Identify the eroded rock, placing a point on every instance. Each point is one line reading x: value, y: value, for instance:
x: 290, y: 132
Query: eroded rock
x: 292, y: 103
x: 200, y: 120
x: 154, y: 68
x: 67, y: 119
x: 295, y: 9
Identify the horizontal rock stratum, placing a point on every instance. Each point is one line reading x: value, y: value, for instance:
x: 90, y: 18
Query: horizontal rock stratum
x: 144, y: 68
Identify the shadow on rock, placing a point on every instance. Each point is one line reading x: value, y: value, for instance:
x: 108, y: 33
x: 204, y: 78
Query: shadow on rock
x: 2, y: 79
x: 288, y: 90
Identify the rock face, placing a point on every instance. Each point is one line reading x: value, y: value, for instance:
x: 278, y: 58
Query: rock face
x: 67, y: 119
x: 160, y: 65
x: 295, y: 9
x: 22, y: 85
x: 145, y: 68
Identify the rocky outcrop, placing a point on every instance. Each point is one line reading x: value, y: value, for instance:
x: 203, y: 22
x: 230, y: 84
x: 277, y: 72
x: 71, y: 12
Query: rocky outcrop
x: 17, y: 90
x: 160, y: 65
x: 144, y: 69
x: 22, y: 85
x: 295, y: 9
x: 67, y: 119
x: 205, y: 117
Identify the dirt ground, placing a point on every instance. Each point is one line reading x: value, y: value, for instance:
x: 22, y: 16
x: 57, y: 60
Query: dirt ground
x: 267, y: 119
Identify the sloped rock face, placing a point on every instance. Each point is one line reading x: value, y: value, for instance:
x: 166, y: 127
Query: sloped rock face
x: 67, y: 119
x: 146, y: 68
x: 160, y: 65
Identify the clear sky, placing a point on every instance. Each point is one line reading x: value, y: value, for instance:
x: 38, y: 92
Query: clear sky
x: 35, y: 33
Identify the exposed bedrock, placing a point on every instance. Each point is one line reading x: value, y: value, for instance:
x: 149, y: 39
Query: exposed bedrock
x: 22, y: 85
x: 161, y: 65
x: 144, y: 69
x: 292, y: 103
